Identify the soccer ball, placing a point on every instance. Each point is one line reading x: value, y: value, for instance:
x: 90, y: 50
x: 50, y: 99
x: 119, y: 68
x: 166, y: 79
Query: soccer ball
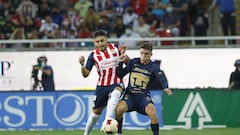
x: 110, y: 126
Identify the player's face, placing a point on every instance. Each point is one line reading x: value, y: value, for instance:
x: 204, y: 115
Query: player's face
x: 145, y: 56
x: 100, y: 43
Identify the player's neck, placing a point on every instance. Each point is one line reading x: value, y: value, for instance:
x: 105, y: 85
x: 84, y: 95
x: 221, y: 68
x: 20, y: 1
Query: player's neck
x: 145, y: 62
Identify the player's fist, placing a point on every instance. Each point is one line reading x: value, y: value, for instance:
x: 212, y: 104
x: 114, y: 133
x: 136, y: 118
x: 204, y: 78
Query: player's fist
x: 82, y: 60
x: 122, y: 48
x: 123, y: 58
x: 168, y: 91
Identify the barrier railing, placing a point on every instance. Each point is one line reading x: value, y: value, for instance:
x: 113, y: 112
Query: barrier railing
x: 192, y: 41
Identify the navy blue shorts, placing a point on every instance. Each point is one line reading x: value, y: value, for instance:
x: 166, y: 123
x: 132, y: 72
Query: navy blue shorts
x: 102, y: 94
x: 137, y: 102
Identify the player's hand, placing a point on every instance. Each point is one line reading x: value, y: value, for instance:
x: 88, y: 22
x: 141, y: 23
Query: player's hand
x: 122, y: 48
x: 82, y: 60
x: 168, y: 91
x: 123, y: 58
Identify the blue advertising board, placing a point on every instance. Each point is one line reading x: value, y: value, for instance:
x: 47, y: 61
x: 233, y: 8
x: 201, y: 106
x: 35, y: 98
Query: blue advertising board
x: 60, y: 110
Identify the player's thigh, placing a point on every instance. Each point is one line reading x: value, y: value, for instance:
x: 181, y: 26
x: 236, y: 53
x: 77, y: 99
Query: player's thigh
x: 101, y: 97
x: 120, y: 87
x: 142, y: 104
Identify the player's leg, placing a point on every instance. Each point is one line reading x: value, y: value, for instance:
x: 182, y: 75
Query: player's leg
x: 127, y: 104
x: 122, y: 107
x: 100, y: 101
x: 120, y: 123
x: 112, y: 102
x: 151, y: 112
x: 146, y: 107
x: 92, y: 119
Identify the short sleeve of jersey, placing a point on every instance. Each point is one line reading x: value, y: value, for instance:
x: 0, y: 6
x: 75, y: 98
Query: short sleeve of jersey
x: 90, y: 62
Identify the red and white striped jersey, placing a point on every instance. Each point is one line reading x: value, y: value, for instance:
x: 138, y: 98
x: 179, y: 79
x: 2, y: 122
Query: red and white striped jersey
x: 107, y: 65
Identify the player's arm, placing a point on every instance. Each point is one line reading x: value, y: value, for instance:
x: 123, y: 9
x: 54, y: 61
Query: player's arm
x: 123, y: 57
x: 123, y: 71
x: 86, y: 69
x: 231, y: 82
x: 122, y: 49
x: 47, y: 71
x: 162, y: 79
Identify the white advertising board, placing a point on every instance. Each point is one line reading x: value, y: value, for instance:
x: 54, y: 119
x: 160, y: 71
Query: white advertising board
x: 185, y: 68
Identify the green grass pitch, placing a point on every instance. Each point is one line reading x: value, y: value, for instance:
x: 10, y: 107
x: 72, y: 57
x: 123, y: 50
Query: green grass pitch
x: 218, y: 131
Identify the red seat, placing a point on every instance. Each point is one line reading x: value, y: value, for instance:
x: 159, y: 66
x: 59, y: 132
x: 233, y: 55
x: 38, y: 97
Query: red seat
x: 165, y: 33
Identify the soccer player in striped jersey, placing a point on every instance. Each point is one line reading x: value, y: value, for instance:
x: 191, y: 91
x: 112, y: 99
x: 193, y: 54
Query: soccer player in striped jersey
x: 137, y: 97
x: 109, y: 87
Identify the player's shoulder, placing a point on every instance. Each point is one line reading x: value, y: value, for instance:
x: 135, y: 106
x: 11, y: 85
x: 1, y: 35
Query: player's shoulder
x: 91, y: 55
x: 135, y: 60
x: 48, y: 67
x: 154, y: 65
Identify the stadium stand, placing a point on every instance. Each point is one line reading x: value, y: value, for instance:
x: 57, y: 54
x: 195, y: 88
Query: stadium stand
x: 18, y: 15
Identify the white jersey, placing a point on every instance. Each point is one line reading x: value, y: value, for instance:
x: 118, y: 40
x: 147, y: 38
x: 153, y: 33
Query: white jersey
x: 106, y: 63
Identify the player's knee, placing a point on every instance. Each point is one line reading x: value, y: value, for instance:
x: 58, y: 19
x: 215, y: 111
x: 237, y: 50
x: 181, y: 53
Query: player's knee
x: 121, y: 108
x: 151, y: 111
x: 153, y: 116
x: 97, y: 111
x: 119, y: 89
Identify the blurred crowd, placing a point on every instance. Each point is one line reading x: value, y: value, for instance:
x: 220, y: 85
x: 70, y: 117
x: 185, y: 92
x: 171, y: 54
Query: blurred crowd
x: 70, y: 19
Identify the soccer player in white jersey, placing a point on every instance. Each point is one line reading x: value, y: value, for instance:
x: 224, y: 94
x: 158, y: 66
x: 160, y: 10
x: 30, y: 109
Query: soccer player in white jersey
x: 109, y: 87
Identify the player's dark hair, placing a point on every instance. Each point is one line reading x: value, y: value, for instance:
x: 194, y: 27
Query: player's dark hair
x: 41, y: 57
x: 237, y: 63
x: 146, y: 46
x: 99, y: 33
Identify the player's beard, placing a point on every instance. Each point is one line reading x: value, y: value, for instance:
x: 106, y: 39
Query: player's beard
x: 102, y: 47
